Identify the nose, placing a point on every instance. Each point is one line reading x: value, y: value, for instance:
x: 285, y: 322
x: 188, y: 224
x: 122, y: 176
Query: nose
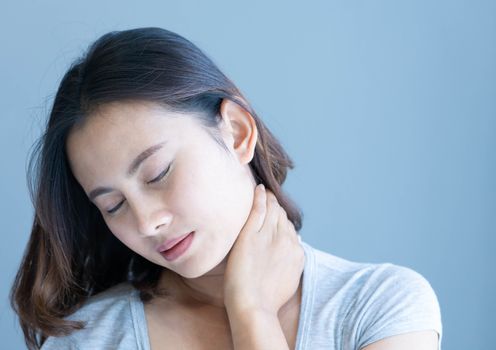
x: 151, y: 218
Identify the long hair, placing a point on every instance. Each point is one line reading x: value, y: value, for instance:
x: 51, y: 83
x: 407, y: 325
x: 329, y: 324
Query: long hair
x: 71, y: 254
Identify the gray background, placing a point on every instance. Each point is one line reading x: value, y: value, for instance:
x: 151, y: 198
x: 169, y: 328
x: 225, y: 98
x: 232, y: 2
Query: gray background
x: 388, y: 109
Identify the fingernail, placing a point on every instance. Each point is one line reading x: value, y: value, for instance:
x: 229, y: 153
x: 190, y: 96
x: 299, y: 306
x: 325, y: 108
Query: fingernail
x: 262, y: 187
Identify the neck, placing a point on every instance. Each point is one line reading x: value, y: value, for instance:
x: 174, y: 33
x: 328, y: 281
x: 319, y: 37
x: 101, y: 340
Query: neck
x: 208, y: 289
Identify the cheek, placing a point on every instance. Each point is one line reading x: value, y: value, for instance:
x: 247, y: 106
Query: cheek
x: 213, y: 195
x: 193, y: 189
x: 123, y: 235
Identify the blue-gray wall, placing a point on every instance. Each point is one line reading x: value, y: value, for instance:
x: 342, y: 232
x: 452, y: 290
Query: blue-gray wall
x: 388, y: 109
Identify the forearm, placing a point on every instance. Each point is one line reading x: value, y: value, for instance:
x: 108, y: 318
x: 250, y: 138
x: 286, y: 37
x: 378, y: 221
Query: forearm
x: 256, y: 330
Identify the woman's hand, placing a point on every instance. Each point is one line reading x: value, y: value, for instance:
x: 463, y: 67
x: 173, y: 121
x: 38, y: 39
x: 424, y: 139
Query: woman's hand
x: 266, y: 262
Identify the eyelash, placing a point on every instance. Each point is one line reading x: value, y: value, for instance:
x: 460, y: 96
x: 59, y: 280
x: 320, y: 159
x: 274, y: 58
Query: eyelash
x: 157, y: 179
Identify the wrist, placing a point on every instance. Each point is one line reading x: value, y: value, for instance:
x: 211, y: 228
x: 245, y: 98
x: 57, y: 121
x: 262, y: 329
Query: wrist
x: 249, y: 311
x: 256, y: 328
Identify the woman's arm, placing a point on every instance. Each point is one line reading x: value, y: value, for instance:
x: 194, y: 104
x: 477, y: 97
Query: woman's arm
x: 424, y: 340
x: 256, y: 329
x: 263, y: 272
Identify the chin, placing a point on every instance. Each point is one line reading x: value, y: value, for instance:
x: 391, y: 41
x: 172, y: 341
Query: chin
x: 217, y: 269
x: 192, y: 275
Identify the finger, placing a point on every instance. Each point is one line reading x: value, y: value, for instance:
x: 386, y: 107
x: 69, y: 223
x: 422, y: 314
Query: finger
x: 256, y: 217
x: 271, y: 215
x: 285, y: 226
x: 282, y: 226
x: 291, y: 231
x: 294, y: 233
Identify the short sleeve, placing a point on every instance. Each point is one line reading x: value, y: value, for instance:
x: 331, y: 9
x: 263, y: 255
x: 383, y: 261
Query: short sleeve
x: 395, y: 300
x: 57, y: 343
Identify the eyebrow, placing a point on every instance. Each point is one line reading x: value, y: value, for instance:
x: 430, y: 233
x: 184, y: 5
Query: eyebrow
x: 132, y: 169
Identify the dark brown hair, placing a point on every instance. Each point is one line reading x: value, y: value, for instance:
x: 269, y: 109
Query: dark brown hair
x: 71, y: 254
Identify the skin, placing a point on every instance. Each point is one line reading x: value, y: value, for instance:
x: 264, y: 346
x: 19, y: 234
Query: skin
x: 206, y: 190
x: 422, y: 340
x: 239, y: 230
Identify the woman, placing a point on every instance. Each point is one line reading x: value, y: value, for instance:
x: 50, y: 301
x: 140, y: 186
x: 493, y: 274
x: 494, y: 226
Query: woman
x: 154, y: 230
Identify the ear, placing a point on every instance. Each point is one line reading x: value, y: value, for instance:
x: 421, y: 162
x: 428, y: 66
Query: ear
x: 239, y: 130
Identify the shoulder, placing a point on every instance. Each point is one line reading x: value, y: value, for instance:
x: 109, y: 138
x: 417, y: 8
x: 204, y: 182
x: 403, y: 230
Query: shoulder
x: 109, y: 304
x: 395, y: 300
x: 376, y: 281
x: 374, y: 300
x: 108, y: 321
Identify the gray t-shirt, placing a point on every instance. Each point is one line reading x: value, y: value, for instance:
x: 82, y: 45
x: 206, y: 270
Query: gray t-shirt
x: 345, y: 305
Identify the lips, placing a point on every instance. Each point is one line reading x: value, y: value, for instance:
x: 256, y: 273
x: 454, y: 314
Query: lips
x: 171, y: 242
x: 179, y: 249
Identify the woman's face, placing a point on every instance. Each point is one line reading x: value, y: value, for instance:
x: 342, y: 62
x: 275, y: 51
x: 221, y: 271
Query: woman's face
x: 205, y: 190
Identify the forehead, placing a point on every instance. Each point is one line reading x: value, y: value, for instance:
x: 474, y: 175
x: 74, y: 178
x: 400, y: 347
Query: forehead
x: 124, y: 122
x: 117, y: 132
x: 139, y: 116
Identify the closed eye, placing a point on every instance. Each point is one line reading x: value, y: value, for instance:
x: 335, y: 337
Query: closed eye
x: 160, y: 176
x: 157, y: 179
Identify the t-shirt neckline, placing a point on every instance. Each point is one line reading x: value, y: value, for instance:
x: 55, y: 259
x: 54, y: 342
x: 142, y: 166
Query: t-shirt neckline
x: 307, y: 298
